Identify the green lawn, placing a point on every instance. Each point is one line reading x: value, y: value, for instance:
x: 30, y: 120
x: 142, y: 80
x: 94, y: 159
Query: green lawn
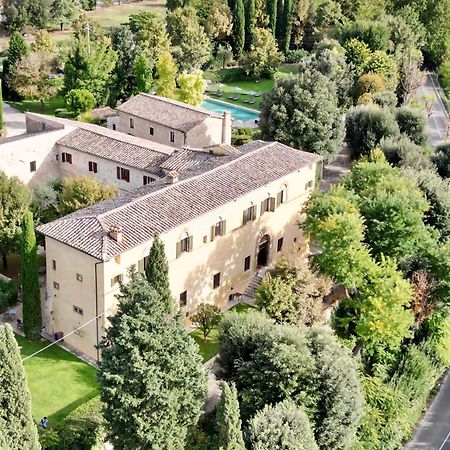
x: 34, y: 105
x: 58, y: 381
x: 210, y: 346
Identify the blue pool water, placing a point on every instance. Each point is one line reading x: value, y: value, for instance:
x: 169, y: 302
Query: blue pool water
x: 237, y: 113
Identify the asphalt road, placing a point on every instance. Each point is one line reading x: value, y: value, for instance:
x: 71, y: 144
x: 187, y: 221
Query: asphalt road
x: 437, y: 125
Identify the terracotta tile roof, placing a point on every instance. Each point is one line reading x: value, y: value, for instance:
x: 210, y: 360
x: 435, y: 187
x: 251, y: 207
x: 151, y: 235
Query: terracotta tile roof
x: 167, y: 112
x: 104, y: 112
x: 120, y: 150
x: 163, y: 207
x: 185, y: 159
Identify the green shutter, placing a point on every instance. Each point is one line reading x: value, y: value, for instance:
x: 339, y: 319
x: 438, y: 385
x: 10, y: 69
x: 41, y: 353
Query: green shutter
x: 141, y: 267
x: 272, y: 204
x: 191, y: 243
x: 262, y: 207
x: 244, y: 217
x: 224, y: 227
x: 178, y: 249
x: 212, y: 232
x: 279, y: 196
x: 254, y: 212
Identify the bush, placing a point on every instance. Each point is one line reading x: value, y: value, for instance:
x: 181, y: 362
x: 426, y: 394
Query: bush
x: 370, y: 83
x: 8, y: 294
x: 283, y: 426
x: 366, y: 125
x: 242, y: 135
x: 88, y: 117
x: 441, y: 159
x: 401, y: 151
x: 412, y: 122
x: 295, y: 56
x: 385, y: 99
x: 79, y: 100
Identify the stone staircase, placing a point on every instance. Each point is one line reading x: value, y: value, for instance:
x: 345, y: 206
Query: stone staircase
x: 254, y: 283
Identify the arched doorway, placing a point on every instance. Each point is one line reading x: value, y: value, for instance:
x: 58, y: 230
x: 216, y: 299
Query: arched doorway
x: 263, y: 251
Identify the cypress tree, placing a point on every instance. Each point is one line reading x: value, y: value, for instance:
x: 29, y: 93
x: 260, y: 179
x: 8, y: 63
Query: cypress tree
x: 1, y: 108
x: 16, y: 422
x: 279, y: 33
x: 238, y: 27
x: 228, y: 419
x: 17, y: 49
x: 272, y: 12
x: 286, y: 28
x: 151, y: 377
x: 249, y: 23
x: 32, y: 320
x: 157, y: 272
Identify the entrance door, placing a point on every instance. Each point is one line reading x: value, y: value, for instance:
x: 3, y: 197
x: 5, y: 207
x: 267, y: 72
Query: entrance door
x: 263, y: 251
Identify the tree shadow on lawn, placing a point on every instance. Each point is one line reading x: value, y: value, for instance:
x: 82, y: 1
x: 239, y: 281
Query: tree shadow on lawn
x: 58, y: 416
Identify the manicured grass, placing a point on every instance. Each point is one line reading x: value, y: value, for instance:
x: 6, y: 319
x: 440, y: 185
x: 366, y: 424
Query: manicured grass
x: 58, y: 381
x: 209, y: 347
x: 34, y: 105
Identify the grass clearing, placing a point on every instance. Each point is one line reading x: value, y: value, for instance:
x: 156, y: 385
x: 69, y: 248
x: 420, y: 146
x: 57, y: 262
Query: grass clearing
x: 50, y: 105
x: 209, y: 347
x: 58, y: 381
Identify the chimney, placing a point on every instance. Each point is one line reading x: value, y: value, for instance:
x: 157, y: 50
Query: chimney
x: 226, y: 128
x: 173, y: 176
x: 116, y: 234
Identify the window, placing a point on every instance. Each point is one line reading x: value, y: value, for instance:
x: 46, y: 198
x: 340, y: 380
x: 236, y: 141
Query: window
x: 117, y: 279
x: 123, y: 174
x: 147, y: 180
x: 172, y: 136
x: 183, y: 299
x: 131, y: 122
x: 142, y: 264
x: 218, y: 229
x: 78, y: 310
x: 32, y: 166
x: 268, y: 205
x: 309, y: 185
x: 249, y: 215
x: 92, y: 166
x: 53, y: 264
x: 152, y: 131
x: 66, y: 157
x: 185, y: 245
x: 280, y: 244
x: 56, y: 285
x: 79, y: 277
x: 247, y: 263
x: 216, y: 280
x: 282, y: 196
x: 114, y: 126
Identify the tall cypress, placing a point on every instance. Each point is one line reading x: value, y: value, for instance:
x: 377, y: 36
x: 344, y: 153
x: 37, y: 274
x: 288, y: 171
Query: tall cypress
x: 272, y: 12
x: 32, y: 319
x: 1, y: 108
x: 279, y: 33
x: 238, y: 27
x: 157, y: 272
x: 228, y: 420
x: 16, y: 422
x: 249, y: 23
x: 285, y: 42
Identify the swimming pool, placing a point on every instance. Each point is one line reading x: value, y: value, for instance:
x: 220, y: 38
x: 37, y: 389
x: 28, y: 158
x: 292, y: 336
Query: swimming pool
x: 237, y: 113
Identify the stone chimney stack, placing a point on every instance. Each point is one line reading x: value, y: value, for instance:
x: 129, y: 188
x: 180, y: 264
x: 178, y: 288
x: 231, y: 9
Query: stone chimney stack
x: 116, y: 234
x: 226, y: 128
x: 173, y: 176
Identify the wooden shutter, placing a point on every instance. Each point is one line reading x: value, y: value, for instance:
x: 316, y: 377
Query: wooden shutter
x: 118, y: 172
x: 272, y: 204
x: 224, y: 228
x: 213, y: 232
x: 253, y: 212
x: 178, y: 249
x: 279, y: 198
x: 191, y: 243
x: 244, y: 217
x: 262, y: 207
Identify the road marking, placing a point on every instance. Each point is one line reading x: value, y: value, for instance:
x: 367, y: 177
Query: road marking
x: 445, y: 441
x: 438, y: 96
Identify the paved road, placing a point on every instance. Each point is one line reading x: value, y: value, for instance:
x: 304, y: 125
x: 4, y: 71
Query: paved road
x: 14, y: 121
x: 438, y: 121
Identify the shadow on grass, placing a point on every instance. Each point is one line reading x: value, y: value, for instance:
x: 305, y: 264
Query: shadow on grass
x: 57, y: 416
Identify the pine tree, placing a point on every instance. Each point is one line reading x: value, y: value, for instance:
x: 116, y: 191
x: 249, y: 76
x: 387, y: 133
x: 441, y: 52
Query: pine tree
x: 157, y: 272
x: 151, y: 377
x: 249, y: 23
x: 32, y: 320
x: 272, y: 12
x: 286, y: 28
x: 16, y: 422
x: 17, y: 49
x: 228, y: 419
x: 238, y: 27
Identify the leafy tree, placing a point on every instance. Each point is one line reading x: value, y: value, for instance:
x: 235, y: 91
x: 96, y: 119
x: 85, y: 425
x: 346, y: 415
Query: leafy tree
x: 16, y: 422
x: 301, y: 111
x: 151, y: 377
x: 143, y: 73
x: 206, y: 317
x: 157, y: 272
x: 383, y: 64
x: 284, y: 425
x: 412, y: 122
x: 1, y: 109
x: 239, y: 27
x: 375, y: 34
x: 228, y: 419
x: 358, y: 54
x: 20, y: 13
x: 79, y: 100
x: 366, y: 125
x: 385, y: 99
x: 43, y: 42
x: 166, y: 71
x: 15, y: 199
x: 263, y: 58
x: 219, y: 22
x: 32, y: 319
x: 192, y: 48
x: 62, y: 11
x: 370, y: 83
x: 192, y: 87
x: 441, y: 158
x: 17, y: 49
x: 401, y: 151
x: 80, y: 192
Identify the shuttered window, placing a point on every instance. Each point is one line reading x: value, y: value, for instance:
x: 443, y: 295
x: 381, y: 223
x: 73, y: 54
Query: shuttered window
x: 268, y: 205
x: 92, y: 166
x: 249, y: 214
x: 185, y: 245
x: 123, y: 174
x: 282, y: 196
x: 219, y: 229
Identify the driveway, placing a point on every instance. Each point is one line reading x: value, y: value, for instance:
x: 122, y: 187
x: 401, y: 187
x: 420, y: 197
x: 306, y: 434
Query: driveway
x: 14, y: 121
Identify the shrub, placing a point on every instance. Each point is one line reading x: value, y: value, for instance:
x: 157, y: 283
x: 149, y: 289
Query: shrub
x: 88, y: 117
x: 385, y: 99
x: 401, y: 151
x: 370, y: 83
x: 412, y: 122
x: 365, y: 99
x: 242, y: 135
x: 283, y: 426
x: 295, y: 56
x: 441, y: 159
x: 8, y: 294
x: 79, y: 100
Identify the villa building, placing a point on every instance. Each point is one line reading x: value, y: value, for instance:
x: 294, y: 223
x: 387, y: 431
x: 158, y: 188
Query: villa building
x: 223, y: 217
x: 171, y: 122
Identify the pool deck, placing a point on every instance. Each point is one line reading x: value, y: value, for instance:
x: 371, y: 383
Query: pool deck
x: 236, y: 123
